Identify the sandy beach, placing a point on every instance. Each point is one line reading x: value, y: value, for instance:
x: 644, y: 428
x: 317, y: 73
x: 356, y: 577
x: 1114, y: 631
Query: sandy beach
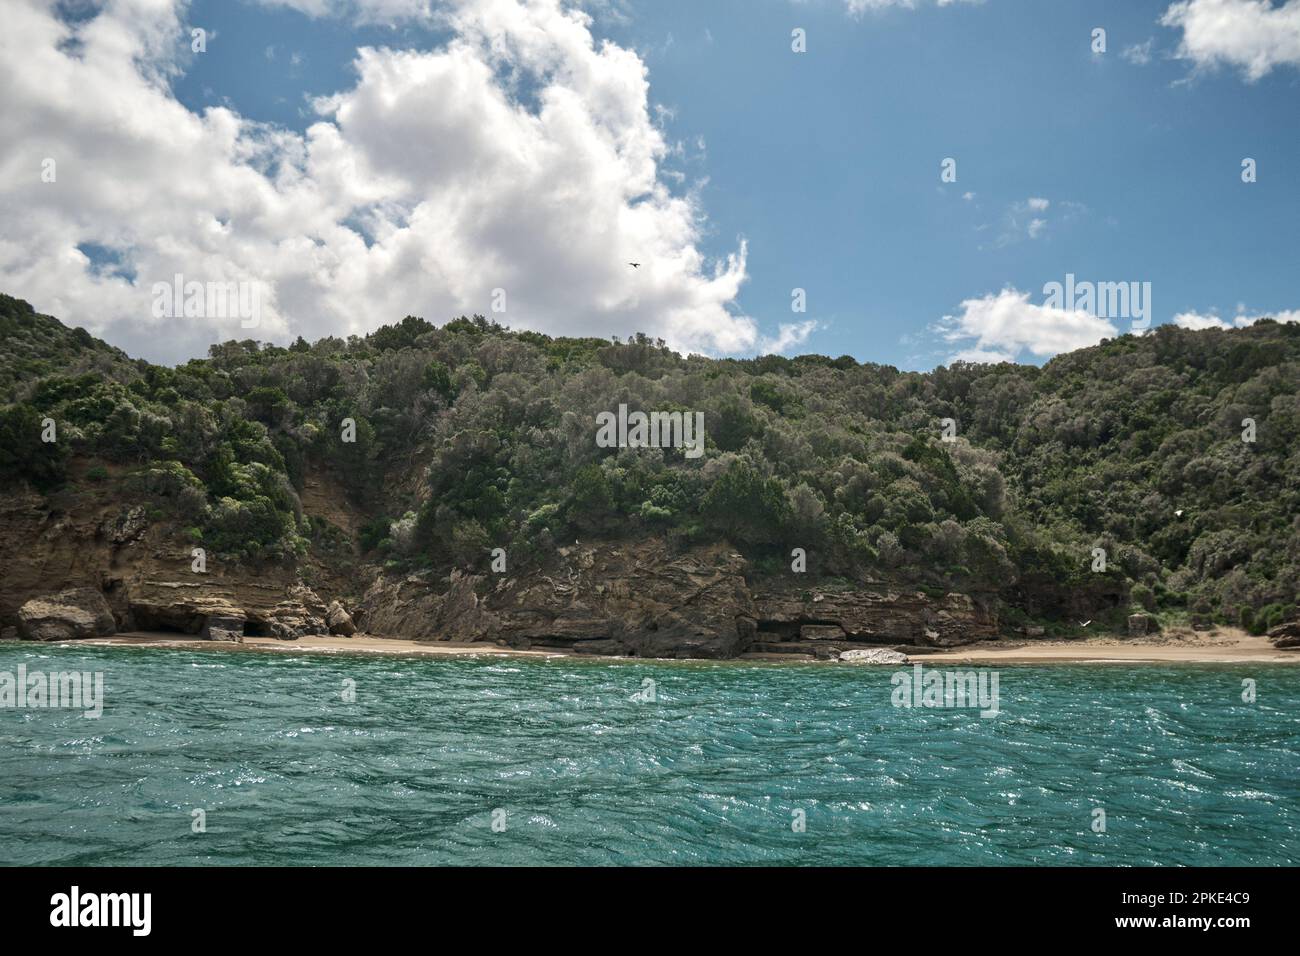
x: 1225, y: 645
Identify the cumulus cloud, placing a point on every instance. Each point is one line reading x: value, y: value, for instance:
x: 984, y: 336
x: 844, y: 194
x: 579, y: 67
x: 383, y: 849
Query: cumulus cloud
x: 519, y: 163
x: 1252, y: 35
x: 999, y: 328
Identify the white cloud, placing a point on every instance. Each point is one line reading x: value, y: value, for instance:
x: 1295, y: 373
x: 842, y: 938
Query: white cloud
x: 1254, y: 35
x: 520, y: 156
x: 1139, y: 54
x: 388, y: 12
x: 982, y: 356
x: 858, y: 7
x: 789, y: 336
x: 998, y: 328
x: 1027, y: 219
x: 1210, y: 320
x: 1195, y: 320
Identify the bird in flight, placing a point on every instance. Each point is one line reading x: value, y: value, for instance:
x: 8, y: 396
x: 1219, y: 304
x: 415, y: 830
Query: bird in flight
x: 635, y: 265
x: 1085, y: 623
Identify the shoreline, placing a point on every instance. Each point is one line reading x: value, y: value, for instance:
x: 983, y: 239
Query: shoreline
x: 1226, y: 646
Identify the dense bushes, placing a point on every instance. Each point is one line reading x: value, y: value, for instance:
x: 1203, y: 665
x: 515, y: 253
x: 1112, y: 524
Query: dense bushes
x: 480, y: 437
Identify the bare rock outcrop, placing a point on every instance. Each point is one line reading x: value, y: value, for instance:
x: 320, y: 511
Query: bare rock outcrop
x: 423, y: 608
x: 219, y: 626
x: 301, y: 614
x: 68, y: 615
x: 645, y: 599
x: 875, y: 615
x: 1285, y: 636
x: 339, y: 620
x: 227, y: 611
x: 143, y: 569
x: 641, y: 599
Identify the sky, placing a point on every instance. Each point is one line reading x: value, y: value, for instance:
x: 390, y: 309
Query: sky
x: 897, y: 180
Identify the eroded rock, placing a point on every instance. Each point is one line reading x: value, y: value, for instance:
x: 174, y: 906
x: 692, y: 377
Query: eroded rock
x: 878, y: 614
x: 339, y: 620
x: 1285, y: 636
x: 68, y: 615
x: 646, y: 599
x: 223, y: 627
x: 637, y: 600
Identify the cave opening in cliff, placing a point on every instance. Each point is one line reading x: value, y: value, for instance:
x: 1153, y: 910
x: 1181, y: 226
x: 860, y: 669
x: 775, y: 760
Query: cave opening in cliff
x: 148, y: 620
x: 256, y: 628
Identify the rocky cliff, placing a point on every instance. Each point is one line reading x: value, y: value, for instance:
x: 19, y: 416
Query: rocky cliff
x: 645, y: 600
x: 51, y: 549
x: 640, y: 598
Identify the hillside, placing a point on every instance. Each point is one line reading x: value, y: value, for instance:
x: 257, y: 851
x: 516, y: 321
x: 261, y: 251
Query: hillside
x: 470, y: 437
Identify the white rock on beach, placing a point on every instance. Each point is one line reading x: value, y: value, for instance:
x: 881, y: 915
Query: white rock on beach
x: 877, y: 655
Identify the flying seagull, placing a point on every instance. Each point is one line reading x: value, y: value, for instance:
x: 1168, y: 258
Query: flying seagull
x: 1085, y: 623
x: 1178, y: 513
x: 635, y: 265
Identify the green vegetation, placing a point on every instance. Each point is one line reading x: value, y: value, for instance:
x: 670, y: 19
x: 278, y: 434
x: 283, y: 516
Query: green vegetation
x: 479, y: 437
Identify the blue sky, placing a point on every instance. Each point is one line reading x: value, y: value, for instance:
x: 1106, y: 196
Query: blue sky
x: 829, y: 162
x: 823, y: 167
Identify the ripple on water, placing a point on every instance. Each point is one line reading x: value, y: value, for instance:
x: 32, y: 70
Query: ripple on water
x: 728, y: 764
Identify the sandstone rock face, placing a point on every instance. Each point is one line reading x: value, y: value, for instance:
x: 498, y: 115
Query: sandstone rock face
x: 644, y: 599
x: 126, y: 527
x: 422, y: 607
x: 878, y: 615
x: 185, y: 608
x: 143, y: 569
x: 300, y: 614
x: 639, y: 597
x: 641, y: 600
x: 214, y: 610
x: 1138, y: 625
x: 1285, y: 636
x: 339, y: 620
x: 68, y: 615
x: 876, y: 655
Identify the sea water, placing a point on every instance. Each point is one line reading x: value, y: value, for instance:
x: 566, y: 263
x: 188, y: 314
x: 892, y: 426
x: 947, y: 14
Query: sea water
x: 242, y: 757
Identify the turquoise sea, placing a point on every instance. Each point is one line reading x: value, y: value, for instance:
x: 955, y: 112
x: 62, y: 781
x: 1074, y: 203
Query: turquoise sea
x: 574, y: 763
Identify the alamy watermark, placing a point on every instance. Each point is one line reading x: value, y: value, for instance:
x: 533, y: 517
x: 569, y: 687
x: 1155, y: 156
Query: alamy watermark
x: 208, y: 300
x: 683, y: 430
x: 75, y: 908
x: 1105, y: 300
x: 920, y: 687
x: 76, y: 690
